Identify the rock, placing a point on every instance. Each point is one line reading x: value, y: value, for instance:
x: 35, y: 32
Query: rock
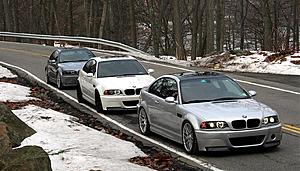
x: 28, y: 158
x: 16, y: 128
x: 5, y: 144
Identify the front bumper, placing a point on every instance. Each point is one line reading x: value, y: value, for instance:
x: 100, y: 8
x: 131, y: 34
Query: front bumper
x: 225, y: 140
x: 69, y: 80
x: 119, y: 102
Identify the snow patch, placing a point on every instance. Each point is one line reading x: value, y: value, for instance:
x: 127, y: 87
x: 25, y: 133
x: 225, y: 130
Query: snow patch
x: 73, y: 146
x: 14, y: 93
x: 5, y: 73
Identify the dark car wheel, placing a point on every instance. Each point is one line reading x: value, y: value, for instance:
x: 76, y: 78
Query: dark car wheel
x: 144, y: 122
x: 47, y: 77
x: 58, y: 81
x: 98, y: 103
x: 189, y: 138
x: 79, y: 94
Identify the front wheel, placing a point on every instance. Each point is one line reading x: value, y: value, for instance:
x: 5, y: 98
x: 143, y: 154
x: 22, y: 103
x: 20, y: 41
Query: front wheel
x: 98, y: 103
x: 47, y: 77
x: 143, y: 122
x: 79, y: 94
x: 189, y: 138
x: 59, y: 82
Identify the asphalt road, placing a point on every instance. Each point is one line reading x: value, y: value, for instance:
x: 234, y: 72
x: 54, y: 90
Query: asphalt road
x: 287, y: 157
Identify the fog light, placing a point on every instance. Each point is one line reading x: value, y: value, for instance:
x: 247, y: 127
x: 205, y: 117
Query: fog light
x: 265, y: 120
x: 273, y: 137
x: 220, y: 124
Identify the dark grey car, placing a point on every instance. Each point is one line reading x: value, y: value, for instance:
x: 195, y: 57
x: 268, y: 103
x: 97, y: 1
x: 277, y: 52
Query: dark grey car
x: 207, y: 112
x: 64, y: 64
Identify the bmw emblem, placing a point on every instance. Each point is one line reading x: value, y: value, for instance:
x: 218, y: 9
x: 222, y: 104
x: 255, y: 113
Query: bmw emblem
x: 244, y: 116
x: 134, y: 86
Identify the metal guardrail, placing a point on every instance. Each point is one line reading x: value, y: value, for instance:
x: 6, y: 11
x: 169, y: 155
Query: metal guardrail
x: 74, y: 39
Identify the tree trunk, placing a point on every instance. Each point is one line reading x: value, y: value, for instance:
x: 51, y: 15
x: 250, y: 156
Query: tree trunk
x: 103, y: 19
x: 209, y: 26
x: 296, y: 26
x: 242, y: 33
x: 154, y: 29
x: 86, y: 16
x: 276, y: 16
x: 180, y: 51
x: 267, y: 42
x: 70, y: 9
x: 132, y: 23
x: 220, y: 25
x: 195, y: 29
x: 7, y: 15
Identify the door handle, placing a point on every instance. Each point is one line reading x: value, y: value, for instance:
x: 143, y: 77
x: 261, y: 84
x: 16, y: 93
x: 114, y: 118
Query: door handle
x: 156, y: 101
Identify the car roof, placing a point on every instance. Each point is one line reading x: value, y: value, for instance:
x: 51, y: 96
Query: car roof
x: 70, y: 49
x: 113, y: 58
x: 198, y: 74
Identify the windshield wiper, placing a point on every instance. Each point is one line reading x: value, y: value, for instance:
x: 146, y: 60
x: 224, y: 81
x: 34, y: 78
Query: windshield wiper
x: 197, y: 101
x: 229, y: 98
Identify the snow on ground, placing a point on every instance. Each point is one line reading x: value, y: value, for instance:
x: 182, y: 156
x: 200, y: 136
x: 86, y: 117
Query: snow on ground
x: 14, y: 93
x: 255, y: 63
x: 72, y: 146
x: 5, y: 73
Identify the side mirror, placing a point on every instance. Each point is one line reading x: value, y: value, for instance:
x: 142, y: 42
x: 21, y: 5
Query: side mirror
x: 51, y: 61
x: 252, y: 93
x: 90, y: 75
x: 150, y: 71
x: 170, y: 100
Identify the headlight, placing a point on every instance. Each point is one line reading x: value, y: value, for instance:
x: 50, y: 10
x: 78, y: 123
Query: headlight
x: 213, y: 125
x: 70, y: 72
x: 113, y: 92
x: 270, y: 120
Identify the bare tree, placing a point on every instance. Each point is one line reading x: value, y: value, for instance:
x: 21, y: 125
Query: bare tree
x: 180, y: 51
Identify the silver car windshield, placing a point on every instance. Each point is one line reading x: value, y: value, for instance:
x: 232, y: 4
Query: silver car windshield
x: 211, y: 89
x: 120, y: 68
x: 75, y: 56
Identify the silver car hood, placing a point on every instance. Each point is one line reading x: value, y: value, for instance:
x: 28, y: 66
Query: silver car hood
x: 231, y: 110
x: 72, y: 65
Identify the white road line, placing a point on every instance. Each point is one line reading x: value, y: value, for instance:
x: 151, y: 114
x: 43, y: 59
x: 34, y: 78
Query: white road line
x: 241, y: 81
x: 188, y: 157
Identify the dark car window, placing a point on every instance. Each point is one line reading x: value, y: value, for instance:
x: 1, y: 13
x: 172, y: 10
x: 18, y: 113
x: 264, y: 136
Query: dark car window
x: 54, y: 55
x: 211, y: 89
x: 75, y: 55
x: 155, y: 88
x: 120, y: 68
x: 169, y: 88
x: 90, y: 67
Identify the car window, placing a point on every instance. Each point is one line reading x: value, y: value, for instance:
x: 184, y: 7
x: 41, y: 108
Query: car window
x: 120, y: 68
x: 210, y: 89
x: 169, y: 88
x: 75, y: 55
x: 90, y: 67
x: 53, y: 55
x: 155, y: 88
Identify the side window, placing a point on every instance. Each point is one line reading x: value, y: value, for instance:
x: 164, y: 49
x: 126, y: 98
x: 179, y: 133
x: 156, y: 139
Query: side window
x: 90, y: 67
x: 169, y: 88
x: 155, y: 88
x: 52, y: 56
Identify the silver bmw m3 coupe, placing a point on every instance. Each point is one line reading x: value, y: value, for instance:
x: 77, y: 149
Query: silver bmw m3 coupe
x: 207, y: 111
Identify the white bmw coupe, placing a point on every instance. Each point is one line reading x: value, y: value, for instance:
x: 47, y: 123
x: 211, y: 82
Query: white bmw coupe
x: 112, y: 82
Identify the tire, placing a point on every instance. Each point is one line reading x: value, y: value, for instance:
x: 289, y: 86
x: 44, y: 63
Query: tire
x: 58, y: 81
x: 47, y: 77
x: 189, y: 139
x: 98, y: 103
x: 79, y: 94
x: 144, y: 125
